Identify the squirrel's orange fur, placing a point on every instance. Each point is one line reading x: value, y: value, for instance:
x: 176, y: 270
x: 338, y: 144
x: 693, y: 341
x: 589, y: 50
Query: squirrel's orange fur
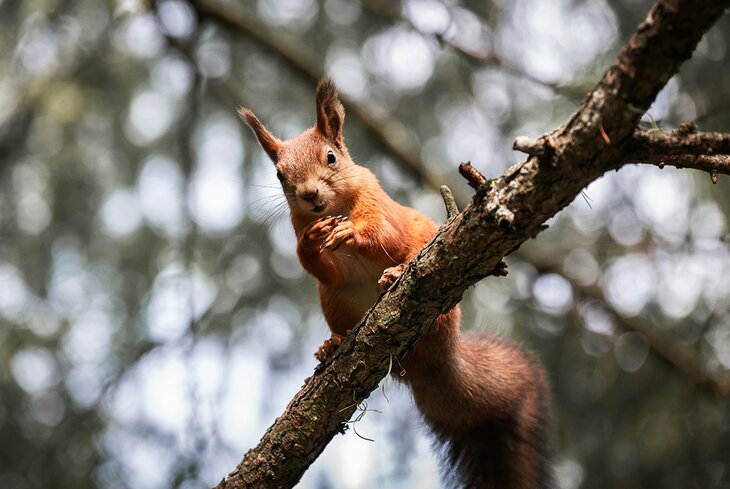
x: 484, y: 399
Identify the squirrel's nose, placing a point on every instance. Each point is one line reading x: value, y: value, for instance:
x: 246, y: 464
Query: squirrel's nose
x: 308, y: 194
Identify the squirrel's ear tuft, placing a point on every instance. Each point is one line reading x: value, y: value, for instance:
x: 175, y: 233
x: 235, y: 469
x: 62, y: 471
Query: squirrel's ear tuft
x: 270, y: 143
x: 330, y: 112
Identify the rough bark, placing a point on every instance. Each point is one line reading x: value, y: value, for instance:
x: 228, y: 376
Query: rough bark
x: 684, y: 148
x: 503, y: 214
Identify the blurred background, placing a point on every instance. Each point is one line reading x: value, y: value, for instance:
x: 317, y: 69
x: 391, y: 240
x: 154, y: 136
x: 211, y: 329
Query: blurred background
x: 154, y: 319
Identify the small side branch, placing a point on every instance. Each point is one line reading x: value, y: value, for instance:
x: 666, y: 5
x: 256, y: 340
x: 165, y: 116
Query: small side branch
x: 542, y: 148
x: 684, y: 147
x: 451, y: 208
x: 472, y: 175
x: 530, y: 146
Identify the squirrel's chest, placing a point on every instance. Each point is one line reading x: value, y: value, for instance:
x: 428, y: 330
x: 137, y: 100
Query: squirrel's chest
x: 359, y: 292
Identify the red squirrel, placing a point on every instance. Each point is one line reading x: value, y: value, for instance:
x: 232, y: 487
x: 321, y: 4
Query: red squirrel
x: 485, y: 400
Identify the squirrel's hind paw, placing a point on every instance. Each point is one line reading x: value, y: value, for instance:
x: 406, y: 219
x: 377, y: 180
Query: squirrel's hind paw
x: 328, y: 347
x: 390, y: 275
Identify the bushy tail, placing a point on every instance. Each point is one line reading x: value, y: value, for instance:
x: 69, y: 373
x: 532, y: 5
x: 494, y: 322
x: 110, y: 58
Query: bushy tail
x: 493, y: 455
x: 488, y: 414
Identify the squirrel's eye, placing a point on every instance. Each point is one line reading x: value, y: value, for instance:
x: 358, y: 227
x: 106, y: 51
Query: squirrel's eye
x: 331, y: 157
x: 280, y: 176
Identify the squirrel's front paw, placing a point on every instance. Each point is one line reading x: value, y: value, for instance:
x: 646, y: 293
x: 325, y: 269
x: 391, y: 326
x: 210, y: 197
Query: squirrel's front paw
x: 321, y: 228
x: 390, y: 275
x: 342, y: 233
x: 328, y: 347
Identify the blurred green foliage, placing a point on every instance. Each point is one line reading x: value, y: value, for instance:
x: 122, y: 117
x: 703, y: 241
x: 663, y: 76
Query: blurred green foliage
x: 154, y: 318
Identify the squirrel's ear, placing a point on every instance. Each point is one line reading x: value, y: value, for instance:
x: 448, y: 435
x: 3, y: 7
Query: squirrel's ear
x: 270, y: 143
x: 330, y: 113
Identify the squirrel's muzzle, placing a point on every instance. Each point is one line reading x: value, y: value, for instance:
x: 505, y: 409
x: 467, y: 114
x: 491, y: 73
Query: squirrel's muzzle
x: 308, y: 194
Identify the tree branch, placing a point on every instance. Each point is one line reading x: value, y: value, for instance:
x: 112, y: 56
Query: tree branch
x: 390, y: 11
x: 17, y: 126
x: 470, y: 246
x: 677, y: 355
x: 672, y: 352
x: 684, y: 148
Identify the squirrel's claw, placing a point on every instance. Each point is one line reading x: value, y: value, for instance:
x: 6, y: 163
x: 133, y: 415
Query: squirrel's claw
x: 390, y: 275
x: 343, y: 233
x: 322, y: 227
x: 328, y: 347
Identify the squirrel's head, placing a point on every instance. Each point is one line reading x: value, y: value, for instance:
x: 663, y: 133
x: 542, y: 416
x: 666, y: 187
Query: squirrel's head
x: 315, y: 169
